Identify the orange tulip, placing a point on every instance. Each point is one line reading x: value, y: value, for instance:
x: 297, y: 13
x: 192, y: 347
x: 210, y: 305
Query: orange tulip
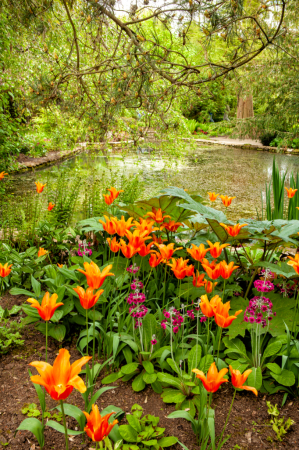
x: 210, y: 286
x: 48, y: 306
x: 172, y: 225
x: 208, y: 307
x: 51, y: 206
x: 214, y: 378
x: 145, y: 225
x: 121, y: 226
x: 5, y: 270
x: 190, y: 270
x: 167, y: 250
x: 179, y: 267
x: 155, y: 259
x: 87, y: 298
x: 109, y: 225
x: 212, y: 270
x: 212, y: 196
x: 128, y: 250
x: 157, y: 215
x: 109, y: 198
x: 198, y: 253
x: 198, y: 279
x: 41, y: 252
x: 226, y: 200
x: 222, y: 317
x: 60, y: 380
x: 216, y: 249
x: 94, y: 277
x: 98, y: 427
x: 137, y: 238
x: 60, y: 265
x: 294, y: 262
x: 113, y: 244
x: 291, y: 192
x: 226, y: 270
x: 233, y: 230
x: 2, y: 175
x: 239, y: 379
x: 39, y: 187
x: 145, y: 249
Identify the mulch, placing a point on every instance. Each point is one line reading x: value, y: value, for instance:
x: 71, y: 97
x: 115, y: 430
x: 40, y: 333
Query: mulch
x: 248, y: 426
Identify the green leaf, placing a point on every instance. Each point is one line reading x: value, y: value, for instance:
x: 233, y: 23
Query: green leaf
x: 274, y: 368
x: 156, y: 386
x: 149, y: 325
x: 75, y: 412
x: 36, y: 286
x: 36, y: 428
x: 272, y: 349
x: 30, y: 311
x: 148, y: 367
x: 56, y: 426
x: 128, y: 433
x: 57, y: 332
x: 134, y: 422
x: 149, y: 378
x: 150, y: 443
x: 194, y: 357
x: 255, y: 379
x: 169, y: 379
x: 175, y: 397
x: 19, y: 291
x: 205, y: 363
x: 285, y: 378
x: 138, y: 383
x: 112, y: 377
x: 181, y: 415
x: 129, y: 368
x: 235, y: 346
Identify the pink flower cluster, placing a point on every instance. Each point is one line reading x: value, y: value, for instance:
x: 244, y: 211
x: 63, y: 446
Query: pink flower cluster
x: 136, y: 298
x: 263, y: 285
x: 83, y: 250
x: 175, y: 319
x: 133, y: 269
x: 136, y: 285
x: 259, y: 310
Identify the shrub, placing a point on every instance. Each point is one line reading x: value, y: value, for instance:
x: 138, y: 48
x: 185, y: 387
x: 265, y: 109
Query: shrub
x: 267, y: 137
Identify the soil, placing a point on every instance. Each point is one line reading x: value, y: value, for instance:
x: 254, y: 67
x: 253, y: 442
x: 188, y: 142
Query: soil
x: 248, y: 425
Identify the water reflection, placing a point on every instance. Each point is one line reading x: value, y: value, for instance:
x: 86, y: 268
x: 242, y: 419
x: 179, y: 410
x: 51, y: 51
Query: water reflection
x: 225, y: 170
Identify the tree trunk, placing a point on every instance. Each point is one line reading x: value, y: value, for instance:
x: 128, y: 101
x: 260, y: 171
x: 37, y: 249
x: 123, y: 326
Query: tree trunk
x: 245, y: 107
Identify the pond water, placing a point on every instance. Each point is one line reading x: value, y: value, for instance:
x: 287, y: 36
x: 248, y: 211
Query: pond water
x: 225, y: 170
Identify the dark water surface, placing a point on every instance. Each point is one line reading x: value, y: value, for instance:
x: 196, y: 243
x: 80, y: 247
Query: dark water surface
x: 225, y: 170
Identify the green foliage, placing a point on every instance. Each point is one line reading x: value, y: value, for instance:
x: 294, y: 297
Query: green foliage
x: 10, y: 335
x: 280, y: 426
x: 144, y: 432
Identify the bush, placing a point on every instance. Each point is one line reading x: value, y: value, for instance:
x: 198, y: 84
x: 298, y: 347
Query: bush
x: 267, y: 137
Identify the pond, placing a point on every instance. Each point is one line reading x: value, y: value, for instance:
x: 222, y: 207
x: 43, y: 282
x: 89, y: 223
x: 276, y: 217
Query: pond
x: 225, y: 170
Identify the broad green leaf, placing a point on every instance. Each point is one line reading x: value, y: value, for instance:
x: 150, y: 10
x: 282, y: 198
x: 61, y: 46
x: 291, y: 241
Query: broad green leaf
x: 194, y: 357
x: 128, y: 433
x: 285, y: 377
x: 255, y: 379
x: 169, y: 379
x: 148, y: 367
x: 112, y: 377
x: 149, y: 378
x: 129, y: 368
x: 58, y: 427
x: 138, y: 383
x: 36, y: 428
x: 272, y: 349
x: 134, y: 422
x: 75, y: 412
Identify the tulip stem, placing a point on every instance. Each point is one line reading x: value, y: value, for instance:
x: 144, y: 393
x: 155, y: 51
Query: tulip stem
x: 93, y: 341
x: 164, y: 293
x: 224, y: 281
x: 250, y: 283
x: 227, y: 419
x: 86, y: 332
x: 218, y: 350
x: 46, y: 341
x: 64, y: 424
x: 148, y: 278
x: 208, y: 337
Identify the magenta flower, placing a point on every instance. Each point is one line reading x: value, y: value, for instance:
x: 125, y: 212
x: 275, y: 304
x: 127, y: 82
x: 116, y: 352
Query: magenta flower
x: 263, y: 285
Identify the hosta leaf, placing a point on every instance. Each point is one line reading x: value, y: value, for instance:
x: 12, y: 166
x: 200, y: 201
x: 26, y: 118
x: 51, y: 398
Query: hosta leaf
x: 285, y: 378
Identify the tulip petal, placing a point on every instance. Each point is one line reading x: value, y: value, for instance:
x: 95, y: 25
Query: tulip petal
x: 249, y: 388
